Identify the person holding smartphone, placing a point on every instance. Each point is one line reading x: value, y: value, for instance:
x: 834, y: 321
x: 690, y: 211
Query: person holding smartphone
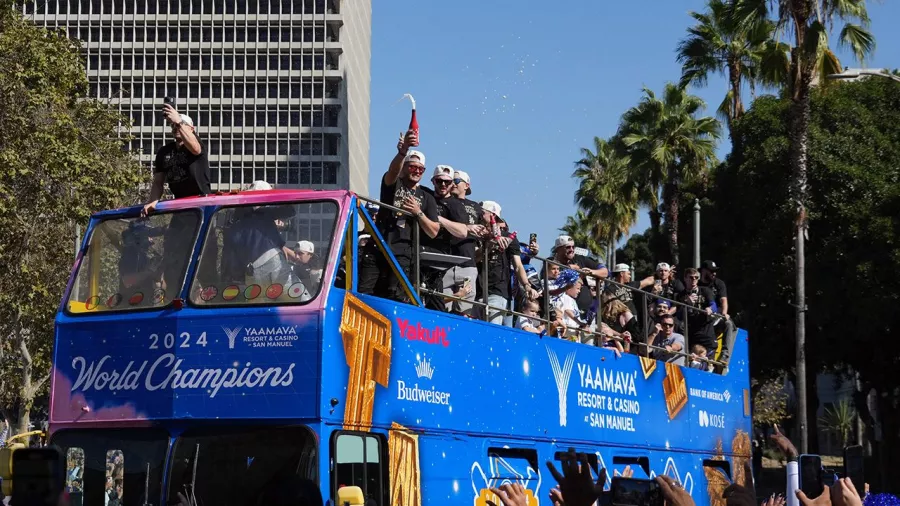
x: 183, y: 163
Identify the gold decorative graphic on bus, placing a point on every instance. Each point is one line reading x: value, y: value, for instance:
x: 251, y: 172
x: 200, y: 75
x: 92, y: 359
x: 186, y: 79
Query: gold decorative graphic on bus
x: 367, y: 347
x: 716, y: 480
x: 675, y: 390
x: 741, y: 451
x: 648, y: 365
x: 406, y: 478
x: 486, y: 497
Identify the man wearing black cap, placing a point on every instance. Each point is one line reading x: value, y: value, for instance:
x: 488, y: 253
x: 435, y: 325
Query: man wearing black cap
x: 709, y: 279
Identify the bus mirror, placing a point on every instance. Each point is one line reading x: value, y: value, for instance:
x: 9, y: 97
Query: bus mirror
x: 350, y: 495
x: 6, y: 467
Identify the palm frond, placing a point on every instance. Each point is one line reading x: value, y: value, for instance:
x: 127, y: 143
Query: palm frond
x: 859, y: 39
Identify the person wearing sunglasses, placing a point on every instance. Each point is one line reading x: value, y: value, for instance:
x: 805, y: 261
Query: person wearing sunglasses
x: 564, y: 253
x: 454, y: 239
x: 702, y: 304
x: 667, y: 342
x: 399, y: 188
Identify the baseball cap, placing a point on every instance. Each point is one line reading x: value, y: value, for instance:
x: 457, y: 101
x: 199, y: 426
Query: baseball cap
x: 465, y: 177
x: 443, y: 172
x: 621, y: 268
x: 305, y: 247
x: 662, y: 266
x: 187, y: 119
x: 563, y: 240
x: 709, y: 264
x: 491, y: 206
x: 412, y: 153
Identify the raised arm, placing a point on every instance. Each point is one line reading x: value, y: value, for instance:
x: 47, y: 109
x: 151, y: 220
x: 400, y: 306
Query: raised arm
x: 403, y: 146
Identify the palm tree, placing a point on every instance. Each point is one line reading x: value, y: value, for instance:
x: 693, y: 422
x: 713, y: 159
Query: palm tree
x: 839, y: 419
x: 743, y: 52
x: 605, y: 193
x: 809, y: 22
x: 668, y: 143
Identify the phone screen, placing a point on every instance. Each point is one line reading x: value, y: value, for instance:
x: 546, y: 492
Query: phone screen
x: 37, y: 476
x: 811, y: 475
x: 532, y: 238
x: 854, y: 468
x: 635, y: 492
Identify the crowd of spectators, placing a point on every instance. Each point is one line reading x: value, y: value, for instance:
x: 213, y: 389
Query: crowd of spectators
x: 584, y: 304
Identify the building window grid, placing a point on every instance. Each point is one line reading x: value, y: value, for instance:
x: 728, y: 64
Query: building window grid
x: 297, y: 171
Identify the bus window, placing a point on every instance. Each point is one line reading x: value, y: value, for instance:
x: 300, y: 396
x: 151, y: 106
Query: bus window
x: 358, y: 462
x: 75, y: 475
x: 134, y: 263
x: 237, y: 466
x: 272, y: 254
x: 111, y: 466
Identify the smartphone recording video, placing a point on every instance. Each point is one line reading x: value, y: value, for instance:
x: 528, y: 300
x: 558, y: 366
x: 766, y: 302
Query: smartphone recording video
x: 854, y: 468
x: 38, y: 477
x: 811, y: 475
x: 635, y: 492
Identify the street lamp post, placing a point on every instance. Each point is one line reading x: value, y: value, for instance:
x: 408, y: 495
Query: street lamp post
x: 696, y: 233
x: 858, y: 73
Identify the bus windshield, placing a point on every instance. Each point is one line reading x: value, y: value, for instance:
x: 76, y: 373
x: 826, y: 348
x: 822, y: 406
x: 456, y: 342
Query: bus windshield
x: 134, y: 263
x: 235, y: 466
x: 271, y: 254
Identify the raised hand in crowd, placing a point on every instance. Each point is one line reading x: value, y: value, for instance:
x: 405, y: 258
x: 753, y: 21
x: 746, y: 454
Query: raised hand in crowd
x: 774, y: 500
x: 673, y: 493
x: 843, y: 493
x: 576, y: 483
x: 784, y: 444
x: 512, y: 494
x: 405, y: 142
x: 740, y: 495
x: 824, y: 498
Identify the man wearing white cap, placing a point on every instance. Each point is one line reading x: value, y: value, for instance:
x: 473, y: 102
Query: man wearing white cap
x: 564, y: 253
x: 400, y: 188
x: 626, y: 288
x: 453, y: 239
x: 504, y: 259
x: 183, y: 163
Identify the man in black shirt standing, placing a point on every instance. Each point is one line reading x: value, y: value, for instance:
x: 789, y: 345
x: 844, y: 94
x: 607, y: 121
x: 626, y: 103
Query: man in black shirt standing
x: 467, y: 247
x: 399, y: 188
x: 183, y: 163
x: 504, y: 259
x: 709, y: 278
x: 700, y: 316
x: 454, y: 239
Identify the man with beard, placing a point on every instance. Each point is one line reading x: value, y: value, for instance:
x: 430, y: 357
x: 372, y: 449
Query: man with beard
x: 399, y: 188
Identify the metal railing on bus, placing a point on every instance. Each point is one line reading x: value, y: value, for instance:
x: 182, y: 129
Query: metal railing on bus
x: 585, y: 335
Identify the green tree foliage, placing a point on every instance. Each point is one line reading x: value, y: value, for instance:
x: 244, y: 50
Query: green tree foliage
x: 636, y: 252
x: 61, y: 158
x: 839, y: 419
x: 853, y: 253
x: 669, y: 145
x: 770, y: 402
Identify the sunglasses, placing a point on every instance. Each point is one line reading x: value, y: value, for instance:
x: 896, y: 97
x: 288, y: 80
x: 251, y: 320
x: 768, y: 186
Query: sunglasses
x: 442, y: 182
x: 666, y: 325
x: 693, y: 277
x: 416, y: 169
x: 570, y: 248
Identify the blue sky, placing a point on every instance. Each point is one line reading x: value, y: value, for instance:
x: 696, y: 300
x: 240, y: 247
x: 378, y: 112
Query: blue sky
x: 509, y: 90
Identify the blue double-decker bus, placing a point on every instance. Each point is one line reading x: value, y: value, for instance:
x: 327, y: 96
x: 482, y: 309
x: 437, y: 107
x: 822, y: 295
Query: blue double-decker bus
x: 177, y: 368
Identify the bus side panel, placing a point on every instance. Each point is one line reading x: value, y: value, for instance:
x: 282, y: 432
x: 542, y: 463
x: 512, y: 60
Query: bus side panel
x: 389, y: 363
x: 462, y: 470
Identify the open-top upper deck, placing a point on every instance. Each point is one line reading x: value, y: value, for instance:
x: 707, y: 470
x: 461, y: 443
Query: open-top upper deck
x: 346, y: 359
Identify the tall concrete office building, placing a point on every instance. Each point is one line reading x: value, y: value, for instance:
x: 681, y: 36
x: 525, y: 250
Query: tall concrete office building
x: 278, y: 89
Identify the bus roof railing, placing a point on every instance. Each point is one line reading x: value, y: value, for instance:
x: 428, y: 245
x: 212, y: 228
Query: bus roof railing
x: 644, y: 347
